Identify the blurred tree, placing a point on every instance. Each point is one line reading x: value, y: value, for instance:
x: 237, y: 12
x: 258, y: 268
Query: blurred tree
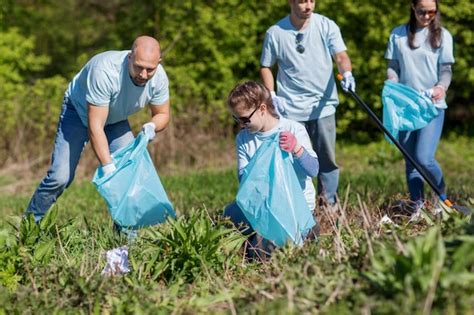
x: 208, y: 46
x: 366, y: 27
x: 17, y: 64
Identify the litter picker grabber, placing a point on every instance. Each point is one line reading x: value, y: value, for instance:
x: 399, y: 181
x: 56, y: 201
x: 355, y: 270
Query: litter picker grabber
x: 446, y: 201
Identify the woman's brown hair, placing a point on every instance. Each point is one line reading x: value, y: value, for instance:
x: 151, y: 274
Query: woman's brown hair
x: 434, y: 27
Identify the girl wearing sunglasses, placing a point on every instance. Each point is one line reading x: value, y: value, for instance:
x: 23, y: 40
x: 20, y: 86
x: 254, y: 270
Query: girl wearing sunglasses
x: 253, y: 109
x: 420, y: 55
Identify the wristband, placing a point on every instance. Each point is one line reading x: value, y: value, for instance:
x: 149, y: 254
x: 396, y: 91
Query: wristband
x: 299, y: 151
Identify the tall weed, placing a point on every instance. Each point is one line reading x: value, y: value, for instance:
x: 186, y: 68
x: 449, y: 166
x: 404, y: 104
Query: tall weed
x: 187, y: 248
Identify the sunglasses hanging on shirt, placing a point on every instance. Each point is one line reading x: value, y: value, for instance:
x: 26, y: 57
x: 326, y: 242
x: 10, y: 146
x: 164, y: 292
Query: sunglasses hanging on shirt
x: 299, y: 46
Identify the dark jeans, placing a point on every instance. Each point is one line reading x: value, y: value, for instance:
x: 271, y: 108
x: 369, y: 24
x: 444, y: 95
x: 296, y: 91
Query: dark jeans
x: 322, y: 133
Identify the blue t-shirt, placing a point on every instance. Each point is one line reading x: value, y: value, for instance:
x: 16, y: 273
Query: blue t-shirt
x: 305, y: 80
x: 419, y: 67
x: 105, y: 81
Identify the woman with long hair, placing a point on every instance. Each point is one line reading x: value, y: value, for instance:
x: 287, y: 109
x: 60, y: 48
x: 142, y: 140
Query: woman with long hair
x: 420, y: 55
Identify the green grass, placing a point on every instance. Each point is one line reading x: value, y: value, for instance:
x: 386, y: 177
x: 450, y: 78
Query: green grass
x: 193, y: 265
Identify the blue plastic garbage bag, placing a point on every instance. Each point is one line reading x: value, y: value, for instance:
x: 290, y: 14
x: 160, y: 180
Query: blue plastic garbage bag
x: 405, y: 109
x: 133, y: 192
x: 271, y: 196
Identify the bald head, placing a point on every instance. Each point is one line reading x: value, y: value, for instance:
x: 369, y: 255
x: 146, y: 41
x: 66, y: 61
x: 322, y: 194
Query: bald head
x: 144, y: 59
x: 146, y: 45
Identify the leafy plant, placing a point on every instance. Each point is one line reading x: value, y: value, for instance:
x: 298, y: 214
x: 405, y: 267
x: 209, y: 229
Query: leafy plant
x: 413, y: 269
x: 187, y: 248
x: 424, y: 265
x: 34, y: 245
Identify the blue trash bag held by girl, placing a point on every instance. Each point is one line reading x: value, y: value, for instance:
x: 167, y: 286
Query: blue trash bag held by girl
x: 271, y: 196
x: 405, y: 109
x: 133, y: 192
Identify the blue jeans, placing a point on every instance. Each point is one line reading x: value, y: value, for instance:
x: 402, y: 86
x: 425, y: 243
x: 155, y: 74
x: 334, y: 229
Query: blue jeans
x: 322, y: 133
x: 71, y: 138
x: 421, y: 144
x: 235, y: 214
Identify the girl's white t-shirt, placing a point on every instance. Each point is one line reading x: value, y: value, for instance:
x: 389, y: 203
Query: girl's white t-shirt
x: 248, y: 143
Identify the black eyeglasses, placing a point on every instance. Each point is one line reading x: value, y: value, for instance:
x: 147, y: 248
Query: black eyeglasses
x: 299, y: 46
x: 245, y: 120
x: 421, y: 12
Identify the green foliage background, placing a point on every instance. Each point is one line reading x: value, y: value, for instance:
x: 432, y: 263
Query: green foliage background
x: 208, y: 47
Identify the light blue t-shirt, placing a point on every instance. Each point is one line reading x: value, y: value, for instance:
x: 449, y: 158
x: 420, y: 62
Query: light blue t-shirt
x: 105, y: 81
x: 419, y: 67
x: 248, y: 143
x: 305, y: 80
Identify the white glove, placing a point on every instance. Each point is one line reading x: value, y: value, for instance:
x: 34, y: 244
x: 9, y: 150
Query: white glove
x: 348, y: 83
x: 149, y: 130
x: 279, y: 103
x: 108, y: 168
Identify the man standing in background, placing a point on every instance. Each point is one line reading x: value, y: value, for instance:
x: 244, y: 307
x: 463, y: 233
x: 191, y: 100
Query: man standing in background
x: 110, y: 87
x: 303, y: 45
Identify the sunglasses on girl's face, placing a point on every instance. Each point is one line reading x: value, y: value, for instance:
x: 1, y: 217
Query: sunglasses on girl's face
x: 430, y: 13
x: 245, y: 120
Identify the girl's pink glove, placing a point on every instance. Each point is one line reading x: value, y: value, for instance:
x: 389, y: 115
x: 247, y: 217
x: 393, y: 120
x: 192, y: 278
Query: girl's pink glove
x: 287, y: 141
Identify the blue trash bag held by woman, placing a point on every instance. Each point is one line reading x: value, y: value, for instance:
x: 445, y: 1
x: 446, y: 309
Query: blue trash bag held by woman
x: 271, y: 196
x: 133, y: 192
x: 405, y: 109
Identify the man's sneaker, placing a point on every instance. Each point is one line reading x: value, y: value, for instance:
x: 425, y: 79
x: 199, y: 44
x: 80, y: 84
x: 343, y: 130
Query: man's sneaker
x: 330, y: 208
x: 417, y: 215
x: 437, y: 211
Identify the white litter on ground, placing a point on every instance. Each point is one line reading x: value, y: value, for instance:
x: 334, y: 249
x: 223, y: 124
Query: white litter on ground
x: 437, y: 211
x: 416, y: 217
x: 386, y: 221
x: 117, y: 262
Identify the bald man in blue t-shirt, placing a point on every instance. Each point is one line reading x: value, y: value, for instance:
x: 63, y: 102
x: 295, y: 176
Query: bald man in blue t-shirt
x: 110, y: 87
x: 303, y: 45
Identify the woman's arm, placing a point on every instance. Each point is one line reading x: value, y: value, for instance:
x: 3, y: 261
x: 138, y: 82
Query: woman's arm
x: 393, y: 70
x: 445, y: 74
x: 444, y: 80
